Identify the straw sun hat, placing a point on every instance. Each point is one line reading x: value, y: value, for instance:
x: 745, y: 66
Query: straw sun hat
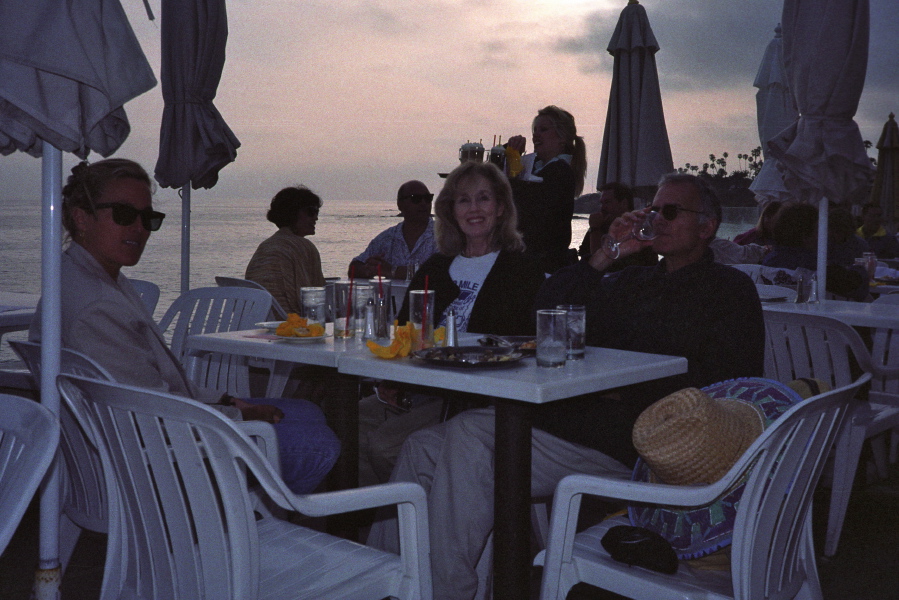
x: 689, y: 438
x: 693, y: 437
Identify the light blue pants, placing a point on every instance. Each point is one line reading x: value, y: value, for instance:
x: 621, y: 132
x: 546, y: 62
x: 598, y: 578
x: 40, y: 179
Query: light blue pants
x: 306, y: 445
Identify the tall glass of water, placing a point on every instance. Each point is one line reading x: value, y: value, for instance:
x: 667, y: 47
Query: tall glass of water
x: 552, y: 338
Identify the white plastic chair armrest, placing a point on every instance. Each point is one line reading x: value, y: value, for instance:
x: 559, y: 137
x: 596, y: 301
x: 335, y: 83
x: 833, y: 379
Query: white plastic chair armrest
x: 264, y: 435
x: 342, y: 501
x: 642, y: 492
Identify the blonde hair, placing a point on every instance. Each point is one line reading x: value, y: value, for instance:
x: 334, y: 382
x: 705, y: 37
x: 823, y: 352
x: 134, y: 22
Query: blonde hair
x: 563, y: 121
x: 450, y: 239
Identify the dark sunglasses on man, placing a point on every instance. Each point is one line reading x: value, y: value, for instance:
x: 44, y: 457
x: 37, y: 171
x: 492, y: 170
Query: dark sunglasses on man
x: 125, y: 215
x: 669, y: 212
x: 419, y: 198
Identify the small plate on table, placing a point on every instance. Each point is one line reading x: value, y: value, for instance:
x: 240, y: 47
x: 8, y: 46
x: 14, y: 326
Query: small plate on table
x: 773, y: 298
x: 470, y: 356
x: 271, y: 326
x: 300, y: 340
x: 525, y: 344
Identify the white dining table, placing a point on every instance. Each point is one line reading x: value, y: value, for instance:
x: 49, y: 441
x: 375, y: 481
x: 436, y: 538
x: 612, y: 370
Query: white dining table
x: 856, y: 314
x: 515, y: 390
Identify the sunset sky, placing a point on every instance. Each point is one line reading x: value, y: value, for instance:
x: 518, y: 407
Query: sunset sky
x: 354, y: 97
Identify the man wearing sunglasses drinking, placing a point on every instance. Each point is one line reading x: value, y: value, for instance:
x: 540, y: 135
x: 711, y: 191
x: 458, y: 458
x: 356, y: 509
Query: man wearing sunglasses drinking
x: 687, y: 305
x: 409, y: 242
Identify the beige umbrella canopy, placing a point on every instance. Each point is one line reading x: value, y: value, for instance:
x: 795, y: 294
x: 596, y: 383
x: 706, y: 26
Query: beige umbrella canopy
x: 886, y: 179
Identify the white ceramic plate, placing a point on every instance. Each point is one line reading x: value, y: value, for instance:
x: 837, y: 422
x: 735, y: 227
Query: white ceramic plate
x: 773, y: 298
x: 301, y: 340
x: 270, y: 325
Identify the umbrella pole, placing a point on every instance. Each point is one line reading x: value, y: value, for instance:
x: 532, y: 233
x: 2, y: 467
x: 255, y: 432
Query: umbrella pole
x: 48, y: 576
x: 823, y: 218
x: 185, y: 238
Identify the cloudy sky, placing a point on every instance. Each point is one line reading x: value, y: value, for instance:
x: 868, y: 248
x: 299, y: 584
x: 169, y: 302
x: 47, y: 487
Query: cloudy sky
x: 354, y: 97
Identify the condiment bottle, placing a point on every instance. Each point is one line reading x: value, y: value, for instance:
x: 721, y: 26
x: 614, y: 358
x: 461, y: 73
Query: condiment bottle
x: 451, y: 335
x: 368, y: 329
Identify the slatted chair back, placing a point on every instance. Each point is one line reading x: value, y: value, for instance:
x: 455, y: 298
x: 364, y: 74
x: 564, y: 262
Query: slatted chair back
x: 214, y: 310
x: 29, y: 436
x: 183, y: 519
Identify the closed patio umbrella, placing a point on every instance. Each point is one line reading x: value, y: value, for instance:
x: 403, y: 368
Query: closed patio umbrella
x: 775, y: 111
x: 635, y: 148
x: 194, y: 140
x: 67, y: 67
x: 886, y: 179
x: 821, y: 154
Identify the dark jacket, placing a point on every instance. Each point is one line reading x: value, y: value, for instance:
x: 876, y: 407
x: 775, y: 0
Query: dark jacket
x: 505, y: 303
x: 545, y: 210
x: 707, y: 312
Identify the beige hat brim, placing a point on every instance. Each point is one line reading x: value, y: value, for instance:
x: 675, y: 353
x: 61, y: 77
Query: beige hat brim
x: 689, y: 438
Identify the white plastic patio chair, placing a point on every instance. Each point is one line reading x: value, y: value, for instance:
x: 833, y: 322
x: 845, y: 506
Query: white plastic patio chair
x: 183, y: 521
x: 84, y: 504
x: 772, y: 551
x: 148, y: 292
x: 277, y: 312
x: 824, y: 348
x: 213, y: 310
x: 29, y: 436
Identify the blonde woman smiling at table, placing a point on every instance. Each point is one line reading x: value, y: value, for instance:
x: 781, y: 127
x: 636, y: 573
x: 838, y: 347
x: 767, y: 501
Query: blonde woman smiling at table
x: 481, y: 271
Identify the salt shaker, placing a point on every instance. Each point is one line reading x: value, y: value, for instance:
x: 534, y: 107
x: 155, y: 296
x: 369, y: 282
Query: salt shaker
x: 368, y: 329
x: 451, y: 336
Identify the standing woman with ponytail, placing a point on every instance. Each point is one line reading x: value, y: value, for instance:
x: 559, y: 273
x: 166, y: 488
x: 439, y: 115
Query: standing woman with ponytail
x: 544, y: 194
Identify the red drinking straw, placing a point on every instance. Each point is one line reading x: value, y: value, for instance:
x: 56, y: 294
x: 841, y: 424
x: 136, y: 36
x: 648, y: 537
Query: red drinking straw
x: 349, y: 302
x: 424, y: 309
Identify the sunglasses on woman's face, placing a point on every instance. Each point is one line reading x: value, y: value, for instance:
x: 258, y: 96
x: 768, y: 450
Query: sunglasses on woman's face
x: 125, y: 215
x: 669, y: 212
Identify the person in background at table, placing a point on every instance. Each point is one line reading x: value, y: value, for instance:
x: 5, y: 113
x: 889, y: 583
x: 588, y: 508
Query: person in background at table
x: 410, y: 241
x: 481, y: 271
x: 544, y: 193
x: 731, y: 253
x: 687, y: 305
x: 881, y: 243
x: 287, y: 261
x: 843, y: 244
x: 795, y: 246
x: 763, y: 232
x: 108, y: 213
x: 615, y: 200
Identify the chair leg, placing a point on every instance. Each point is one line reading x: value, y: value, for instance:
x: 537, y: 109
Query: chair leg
x: 880, y: 450
x: 540, y: 521
x: 846, y: 459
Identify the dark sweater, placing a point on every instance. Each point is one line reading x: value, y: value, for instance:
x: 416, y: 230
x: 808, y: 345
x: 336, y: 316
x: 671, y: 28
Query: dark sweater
x: 505, y: 303
x: 707, y: 312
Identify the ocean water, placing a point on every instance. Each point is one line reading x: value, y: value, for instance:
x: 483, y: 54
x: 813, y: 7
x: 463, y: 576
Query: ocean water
x: 224, y: 235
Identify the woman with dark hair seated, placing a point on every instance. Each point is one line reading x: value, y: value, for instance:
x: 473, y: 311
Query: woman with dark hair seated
x: 795, y: 246
x: 108, y: 213
x: 287, y: 261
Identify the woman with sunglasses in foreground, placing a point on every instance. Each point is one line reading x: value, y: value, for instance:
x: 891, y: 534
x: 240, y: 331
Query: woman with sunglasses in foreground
x: 108, y: 213
x: 287, y: 261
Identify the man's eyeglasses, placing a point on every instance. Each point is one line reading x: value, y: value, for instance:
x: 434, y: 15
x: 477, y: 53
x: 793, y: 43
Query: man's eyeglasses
x: 418, y: 198
x: 125, y: 215
x: 670, y: 211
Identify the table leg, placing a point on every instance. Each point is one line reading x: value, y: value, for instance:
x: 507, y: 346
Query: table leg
x: 277, y: 381
x: 512, y: 501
